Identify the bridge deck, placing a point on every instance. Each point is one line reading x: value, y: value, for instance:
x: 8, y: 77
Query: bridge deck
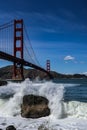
x: 11, y: 58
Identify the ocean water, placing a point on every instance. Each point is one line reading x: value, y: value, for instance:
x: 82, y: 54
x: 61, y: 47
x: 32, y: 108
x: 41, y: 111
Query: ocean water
x: 67, y: 102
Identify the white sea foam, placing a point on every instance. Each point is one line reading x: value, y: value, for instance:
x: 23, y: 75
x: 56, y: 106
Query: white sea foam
x: 76, y: 109
x: 59, y: 109
x: 53, y: 92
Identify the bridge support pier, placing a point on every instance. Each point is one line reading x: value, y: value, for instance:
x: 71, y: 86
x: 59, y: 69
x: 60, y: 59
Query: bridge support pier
x: 18, y: 49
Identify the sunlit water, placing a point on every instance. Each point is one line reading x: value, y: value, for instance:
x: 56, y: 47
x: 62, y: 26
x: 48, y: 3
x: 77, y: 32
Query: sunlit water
x: 67, y: 102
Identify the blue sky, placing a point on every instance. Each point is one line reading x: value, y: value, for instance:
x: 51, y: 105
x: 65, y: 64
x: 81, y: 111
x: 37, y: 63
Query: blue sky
x: 57, y: 30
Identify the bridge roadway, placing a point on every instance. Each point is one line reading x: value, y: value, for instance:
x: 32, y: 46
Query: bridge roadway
x: 11, y: 58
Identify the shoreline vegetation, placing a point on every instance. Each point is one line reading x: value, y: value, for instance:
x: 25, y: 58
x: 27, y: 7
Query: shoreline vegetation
x: 6, y: 74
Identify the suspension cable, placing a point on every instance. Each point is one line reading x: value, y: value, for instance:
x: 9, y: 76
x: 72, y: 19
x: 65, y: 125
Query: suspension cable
x: 6, y: 34
x: 26, y: 50
x: 6, y: 25
x: 30, y: 45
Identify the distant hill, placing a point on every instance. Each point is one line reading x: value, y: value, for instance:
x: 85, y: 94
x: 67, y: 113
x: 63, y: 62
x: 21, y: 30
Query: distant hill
x: 6, y: 73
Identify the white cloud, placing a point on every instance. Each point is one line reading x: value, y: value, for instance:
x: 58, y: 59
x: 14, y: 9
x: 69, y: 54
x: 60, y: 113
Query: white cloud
x: 69, y: 58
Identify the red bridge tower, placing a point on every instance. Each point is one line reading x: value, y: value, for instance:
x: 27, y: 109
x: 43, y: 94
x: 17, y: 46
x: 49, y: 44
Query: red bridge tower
x: 48, y: 65
x: 18, y: 49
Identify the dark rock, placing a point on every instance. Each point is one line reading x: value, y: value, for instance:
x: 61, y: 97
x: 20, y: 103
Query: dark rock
x: 34, y: 100
x: 10, y: 127
x: 34, y: 106
x: 3, y: 83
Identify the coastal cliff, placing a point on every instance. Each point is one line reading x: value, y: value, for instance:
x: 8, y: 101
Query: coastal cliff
x: 6, y: 73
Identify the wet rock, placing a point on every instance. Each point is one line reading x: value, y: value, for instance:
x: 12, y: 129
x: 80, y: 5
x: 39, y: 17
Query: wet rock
x: 2, y: 83
x: 34, y: 106
x: 10, y: 127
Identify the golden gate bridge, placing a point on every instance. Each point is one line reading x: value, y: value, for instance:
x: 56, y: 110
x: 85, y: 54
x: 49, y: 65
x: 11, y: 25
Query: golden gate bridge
x: 15, y: 46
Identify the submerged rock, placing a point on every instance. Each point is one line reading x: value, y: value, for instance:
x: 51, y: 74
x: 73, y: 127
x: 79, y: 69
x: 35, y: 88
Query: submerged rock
x: 34, y: 106
x: 10, y: 127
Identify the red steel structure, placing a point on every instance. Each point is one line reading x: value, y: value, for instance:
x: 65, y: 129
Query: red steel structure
x: 48, y: 65
x: 18, y: 49
x: 17, y: 54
